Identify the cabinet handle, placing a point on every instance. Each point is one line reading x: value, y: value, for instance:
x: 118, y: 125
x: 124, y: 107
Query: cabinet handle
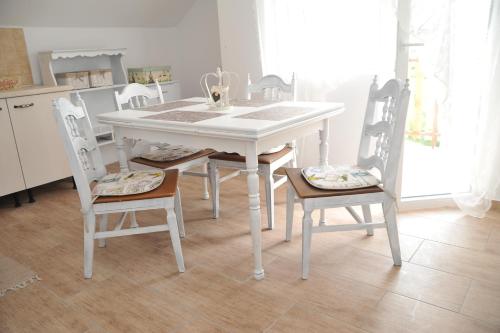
x: 1, y: 109
x: 23, y: 106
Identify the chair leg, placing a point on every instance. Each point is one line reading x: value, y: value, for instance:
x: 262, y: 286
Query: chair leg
x: 103, y: 226
x: 269, y: 182
x: 213, y: 176
x: 290, y: 203
x: 88, y: 244
x: 178, y: 213
x: 133, y: 220
x: 367, y: 216
x: 205, y: 182
x: 322, y: 219
x: 392, y: 230
x: 174, y: 237
x: 307, y: 223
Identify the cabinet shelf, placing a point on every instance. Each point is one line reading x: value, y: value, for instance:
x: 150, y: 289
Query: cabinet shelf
x: 84, y: 90
x: 66, y: 54
x: 115, y: 86
x: 61, y: 61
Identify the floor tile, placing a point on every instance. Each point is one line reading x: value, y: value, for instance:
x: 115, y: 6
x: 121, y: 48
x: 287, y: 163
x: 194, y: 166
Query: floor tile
x: 483, y: 302
x: 477, y: 265
x: 307, y: 317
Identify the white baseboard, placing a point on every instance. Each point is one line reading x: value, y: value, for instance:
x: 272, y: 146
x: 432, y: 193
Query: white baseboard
x: 427, y: 202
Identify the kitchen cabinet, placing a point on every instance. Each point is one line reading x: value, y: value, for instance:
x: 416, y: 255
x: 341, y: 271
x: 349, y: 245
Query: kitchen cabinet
x: 32, y: 151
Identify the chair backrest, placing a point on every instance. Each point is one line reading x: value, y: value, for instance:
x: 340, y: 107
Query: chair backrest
x: 136, y: 95
x: 383, y: 130
x: 272, y: 87
x: 80, y: 144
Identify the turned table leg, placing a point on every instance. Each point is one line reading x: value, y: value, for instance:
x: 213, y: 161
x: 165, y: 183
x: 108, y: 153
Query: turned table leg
x: 254, y: 205
x: 323, y: 157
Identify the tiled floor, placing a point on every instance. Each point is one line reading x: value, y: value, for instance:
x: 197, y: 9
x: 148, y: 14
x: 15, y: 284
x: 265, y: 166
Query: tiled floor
x: 449, y: 281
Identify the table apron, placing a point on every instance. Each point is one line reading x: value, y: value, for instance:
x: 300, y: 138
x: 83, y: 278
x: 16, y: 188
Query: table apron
x: 232, y: 145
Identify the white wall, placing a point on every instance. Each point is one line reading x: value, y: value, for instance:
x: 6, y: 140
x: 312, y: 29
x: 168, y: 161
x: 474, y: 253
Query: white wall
x: 199, y: 47
x: 239, y: 39
x: 145, y: 46
x: 93, y: 13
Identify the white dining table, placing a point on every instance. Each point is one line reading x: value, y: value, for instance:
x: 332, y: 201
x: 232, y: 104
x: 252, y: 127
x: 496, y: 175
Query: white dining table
x: 246, y: 128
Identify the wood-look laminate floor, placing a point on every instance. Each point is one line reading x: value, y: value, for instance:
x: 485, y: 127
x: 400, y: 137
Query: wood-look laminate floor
x: 449, y: 281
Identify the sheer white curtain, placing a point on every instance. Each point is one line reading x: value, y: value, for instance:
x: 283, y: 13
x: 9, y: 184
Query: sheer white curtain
x: 326, y: 42
x: 458, y: 71
x: 334, y: 47
x: 483, y: 131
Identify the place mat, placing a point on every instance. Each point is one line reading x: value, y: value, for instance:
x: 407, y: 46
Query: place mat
x: 14, y: 276
x: 168, y: 106
x: 251, y: 102
x: 184, y: 116
x: 276, y: 113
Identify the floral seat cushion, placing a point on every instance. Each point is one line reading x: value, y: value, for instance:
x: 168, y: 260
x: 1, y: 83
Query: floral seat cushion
x: 128, y: 183
x: 339, y: 177
x: 165, y: 153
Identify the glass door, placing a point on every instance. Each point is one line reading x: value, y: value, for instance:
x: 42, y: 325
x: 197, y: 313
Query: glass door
x: 438, y: 43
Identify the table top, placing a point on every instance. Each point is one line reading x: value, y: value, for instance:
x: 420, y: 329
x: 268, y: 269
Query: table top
x: 245, y: 119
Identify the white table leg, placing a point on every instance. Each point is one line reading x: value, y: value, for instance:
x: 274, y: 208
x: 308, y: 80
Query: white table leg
x: 121, y: 148
x: 254, y: 202
x: 323, y: 157
x: 323, y: 148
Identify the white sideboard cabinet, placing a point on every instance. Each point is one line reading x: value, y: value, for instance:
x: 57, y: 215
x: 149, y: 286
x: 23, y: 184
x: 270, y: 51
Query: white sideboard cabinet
x: 32, y: 151
x: 100, y: 99
x: 11, y: 175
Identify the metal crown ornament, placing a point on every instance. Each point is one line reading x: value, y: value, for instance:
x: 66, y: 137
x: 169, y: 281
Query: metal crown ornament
x: 219, y: 95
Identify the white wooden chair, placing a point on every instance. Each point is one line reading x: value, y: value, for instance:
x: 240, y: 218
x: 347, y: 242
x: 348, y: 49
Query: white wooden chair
x: 271, y: 87
x: 136, y: 95
x: 383, y: 155
x: 87, y: 166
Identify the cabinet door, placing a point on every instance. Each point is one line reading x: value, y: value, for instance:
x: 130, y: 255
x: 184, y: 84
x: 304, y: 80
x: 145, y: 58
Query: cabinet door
x: 11, y: 175
x: 38, y: 142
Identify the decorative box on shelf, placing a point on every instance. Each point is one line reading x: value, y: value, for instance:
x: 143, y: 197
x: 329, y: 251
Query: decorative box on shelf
x: 78, y: 80
x: 101, y: 78
x: 144, y: 75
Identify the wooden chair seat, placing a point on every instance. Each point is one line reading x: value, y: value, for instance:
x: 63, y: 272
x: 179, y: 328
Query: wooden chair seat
x: 166, y: 189
x: 169, y: 164
x: 306, y: 191
x: 263, y: 158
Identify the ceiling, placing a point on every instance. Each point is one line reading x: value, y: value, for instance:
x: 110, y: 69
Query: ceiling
x: 93, y: 13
